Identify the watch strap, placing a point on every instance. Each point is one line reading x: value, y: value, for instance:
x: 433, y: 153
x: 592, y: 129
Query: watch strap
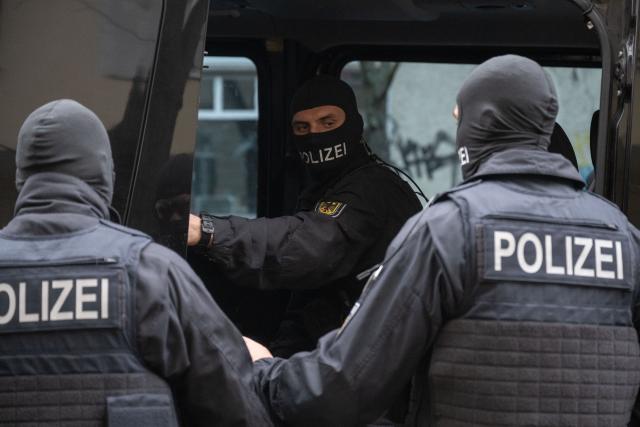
x: 207, y: 230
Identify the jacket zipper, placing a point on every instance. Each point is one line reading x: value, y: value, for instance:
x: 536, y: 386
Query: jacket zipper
x: 68, y: 261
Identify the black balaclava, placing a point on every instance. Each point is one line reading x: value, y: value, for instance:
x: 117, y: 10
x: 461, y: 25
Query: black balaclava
x: 329, y: 154
x: 508, y: 101
x: 65, y: 137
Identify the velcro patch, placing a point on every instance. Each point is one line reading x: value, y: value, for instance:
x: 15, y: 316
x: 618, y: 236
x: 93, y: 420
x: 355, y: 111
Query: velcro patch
x: 568, y: 254
x: 332, y: 209
x: 42, y: 299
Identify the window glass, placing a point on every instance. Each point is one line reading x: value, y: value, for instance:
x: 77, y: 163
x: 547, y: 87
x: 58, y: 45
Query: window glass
x: 408, y: 114
x: 97, y: 52
x: 239, y: 92
x: 225, y: 163
x: 206, y: 93
x: 579, y: 95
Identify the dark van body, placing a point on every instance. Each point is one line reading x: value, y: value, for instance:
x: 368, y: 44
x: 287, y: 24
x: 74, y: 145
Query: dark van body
x: 139, y: 65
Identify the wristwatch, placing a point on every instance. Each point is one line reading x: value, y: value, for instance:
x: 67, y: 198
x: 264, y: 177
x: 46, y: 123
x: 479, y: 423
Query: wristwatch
x: 206, y: 230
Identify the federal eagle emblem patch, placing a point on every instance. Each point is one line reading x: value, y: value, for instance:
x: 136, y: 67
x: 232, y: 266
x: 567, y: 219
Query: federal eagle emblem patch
x: 332, y: 209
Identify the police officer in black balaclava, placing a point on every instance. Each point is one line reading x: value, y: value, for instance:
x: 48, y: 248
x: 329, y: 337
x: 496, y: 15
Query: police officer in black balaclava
x: 346, y: 216
x: 511, y: 300
x: 327, y: 128
x: 98, y: 325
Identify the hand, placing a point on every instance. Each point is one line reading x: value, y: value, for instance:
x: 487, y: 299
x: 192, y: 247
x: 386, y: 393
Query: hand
x: 256, y: 350
x: 194, y: 230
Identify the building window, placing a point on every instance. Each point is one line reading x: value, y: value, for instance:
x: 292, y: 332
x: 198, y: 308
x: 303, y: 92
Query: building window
x: 225, y: 164
x: 407, y: 109
x: 229, y: 90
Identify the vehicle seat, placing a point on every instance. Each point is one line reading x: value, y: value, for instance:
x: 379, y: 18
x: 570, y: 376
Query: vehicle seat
x: 561, y: 144
x: 593, y: 146
x: 593, y: 136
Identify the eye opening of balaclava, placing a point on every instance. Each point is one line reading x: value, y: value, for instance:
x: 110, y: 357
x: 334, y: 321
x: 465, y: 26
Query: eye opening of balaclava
x: 63, y: 136
x: 330, y: 153
x: 506, y: 102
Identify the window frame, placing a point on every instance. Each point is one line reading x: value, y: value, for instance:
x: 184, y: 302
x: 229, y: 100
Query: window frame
x: 334, y: 60
x: 223, y: 65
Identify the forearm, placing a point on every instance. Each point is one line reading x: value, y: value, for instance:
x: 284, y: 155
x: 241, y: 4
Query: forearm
x: 184, y: 337
x: 218, y: 387
x: 341, y: 384
x: 304, y: 251
x: 356, y: 373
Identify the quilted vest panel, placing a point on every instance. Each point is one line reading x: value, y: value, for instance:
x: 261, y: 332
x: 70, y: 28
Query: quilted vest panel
x: 67, y: 338
x: 548, y: 339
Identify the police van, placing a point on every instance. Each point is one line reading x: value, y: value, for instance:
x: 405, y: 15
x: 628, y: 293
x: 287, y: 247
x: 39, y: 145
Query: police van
x: 195, y: 97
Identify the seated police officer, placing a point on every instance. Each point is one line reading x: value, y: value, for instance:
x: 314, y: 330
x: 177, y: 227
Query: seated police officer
x: 346, y: 217
x: 96, y: 321
x: 511, y: 300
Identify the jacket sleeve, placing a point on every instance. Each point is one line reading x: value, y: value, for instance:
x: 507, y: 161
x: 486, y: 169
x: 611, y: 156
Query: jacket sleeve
x: 301, y: 251
x: 357, y: 372
x: 185, y: 338
x: 635, y: 244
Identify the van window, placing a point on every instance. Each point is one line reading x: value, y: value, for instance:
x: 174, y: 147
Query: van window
x: 408, y: 107
x: 579, y: 96
x: 97, y: 52
x: 225, y: 161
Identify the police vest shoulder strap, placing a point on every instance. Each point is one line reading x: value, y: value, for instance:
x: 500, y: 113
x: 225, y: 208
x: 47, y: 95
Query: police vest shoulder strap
x: 445, y: 194
x: 609, y: 202
x: 124, y: 229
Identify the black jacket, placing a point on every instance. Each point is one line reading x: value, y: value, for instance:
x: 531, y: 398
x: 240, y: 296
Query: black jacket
x: 182, y: 335
x: 479, y: 347
x: 338, y: 232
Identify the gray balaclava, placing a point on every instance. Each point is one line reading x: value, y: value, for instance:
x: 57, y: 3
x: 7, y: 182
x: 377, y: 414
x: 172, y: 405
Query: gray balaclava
x: 508, y: 101
x: 65, y: 137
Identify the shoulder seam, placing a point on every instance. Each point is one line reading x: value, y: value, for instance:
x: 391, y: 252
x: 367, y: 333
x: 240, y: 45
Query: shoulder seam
x: 124, y: 229
x: 604, y: 199
x: 441, y: 196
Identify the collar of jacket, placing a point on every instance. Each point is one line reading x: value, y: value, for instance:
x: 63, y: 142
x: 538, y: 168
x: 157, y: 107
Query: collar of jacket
x: 315, y: 191
x: 528, y: 161
x: 51, y: 192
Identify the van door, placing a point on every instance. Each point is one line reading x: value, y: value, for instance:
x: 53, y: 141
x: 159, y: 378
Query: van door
x: 617, y: 155
x: 624, y: 125
x: 136, y: 64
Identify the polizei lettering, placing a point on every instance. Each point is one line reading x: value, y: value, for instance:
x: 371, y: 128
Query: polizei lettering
x: 323, y: 155
x: 57, y: 303
x: 556, y: 254
x: 608, y: 255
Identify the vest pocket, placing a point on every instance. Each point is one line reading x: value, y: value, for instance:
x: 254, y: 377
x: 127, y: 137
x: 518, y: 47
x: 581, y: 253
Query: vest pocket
x: 141, y: 410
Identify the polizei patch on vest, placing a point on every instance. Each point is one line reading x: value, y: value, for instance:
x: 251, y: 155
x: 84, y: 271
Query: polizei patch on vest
x: 54, y: 298
x: 332, y: 209
x: 570, y: 254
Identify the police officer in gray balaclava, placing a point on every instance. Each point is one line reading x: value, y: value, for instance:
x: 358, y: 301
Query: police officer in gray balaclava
x: 511, y: 300
x: 98, y: 325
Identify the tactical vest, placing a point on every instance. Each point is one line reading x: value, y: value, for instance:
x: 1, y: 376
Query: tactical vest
x: 67, y: 333
x: 548, y: 339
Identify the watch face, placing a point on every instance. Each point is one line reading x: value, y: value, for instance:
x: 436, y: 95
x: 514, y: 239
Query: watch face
x: 207, y: 226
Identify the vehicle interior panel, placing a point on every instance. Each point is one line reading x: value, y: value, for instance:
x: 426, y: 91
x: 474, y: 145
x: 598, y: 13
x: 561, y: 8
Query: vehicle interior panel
x: 321, y: 25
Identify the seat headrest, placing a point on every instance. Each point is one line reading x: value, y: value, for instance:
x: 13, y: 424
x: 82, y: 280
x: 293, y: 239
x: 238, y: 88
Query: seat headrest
x: 593, y: 137
x: 561, y: 144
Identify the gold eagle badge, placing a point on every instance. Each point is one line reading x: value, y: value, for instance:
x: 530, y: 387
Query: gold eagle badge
x: 332, y: 209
